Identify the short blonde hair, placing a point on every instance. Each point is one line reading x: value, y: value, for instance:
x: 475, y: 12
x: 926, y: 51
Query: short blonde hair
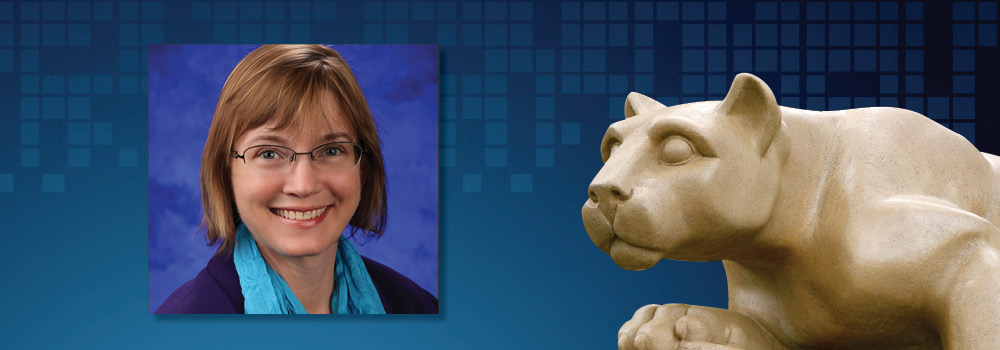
x: 282, y: 84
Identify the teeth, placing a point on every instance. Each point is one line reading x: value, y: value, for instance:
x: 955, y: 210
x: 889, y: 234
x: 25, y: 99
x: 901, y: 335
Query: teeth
x: 300, y: 215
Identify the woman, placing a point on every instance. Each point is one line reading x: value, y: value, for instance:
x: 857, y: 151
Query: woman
x: 293, y: 158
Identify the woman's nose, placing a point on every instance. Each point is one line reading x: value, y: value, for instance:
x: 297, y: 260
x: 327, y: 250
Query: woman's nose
x: 302, y: 178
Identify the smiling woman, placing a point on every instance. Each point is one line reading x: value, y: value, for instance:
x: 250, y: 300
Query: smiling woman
x: 292, y: 161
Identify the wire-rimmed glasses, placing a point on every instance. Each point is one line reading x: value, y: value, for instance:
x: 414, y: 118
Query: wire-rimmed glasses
x: 274, y: 159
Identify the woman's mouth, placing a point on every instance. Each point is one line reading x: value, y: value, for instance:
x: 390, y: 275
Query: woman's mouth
x: 299, y: 215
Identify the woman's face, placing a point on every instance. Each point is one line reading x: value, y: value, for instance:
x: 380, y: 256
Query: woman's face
x: 303, y: 210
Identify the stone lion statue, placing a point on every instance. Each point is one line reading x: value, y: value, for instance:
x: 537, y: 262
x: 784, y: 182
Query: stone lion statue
x: 872, y: 228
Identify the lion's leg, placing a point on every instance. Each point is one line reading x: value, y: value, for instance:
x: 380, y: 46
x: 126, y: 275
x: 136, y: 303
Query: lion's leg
x: 969, y: 316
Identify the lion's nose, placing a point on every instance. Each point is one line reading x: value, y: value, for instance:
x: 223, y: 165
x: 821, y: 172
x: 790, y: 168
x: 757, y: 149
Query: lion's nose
x: 607, y: 192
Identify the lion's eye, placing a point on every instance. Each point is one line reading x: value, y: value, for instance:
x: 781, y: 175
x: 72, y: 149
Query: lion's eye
x: 676, y: 151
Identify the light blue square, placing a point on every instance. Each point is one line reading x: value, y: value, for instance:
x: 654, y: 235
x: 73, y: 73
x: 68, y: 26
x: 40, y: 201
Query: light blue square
x: 53, y: 107
x: 102, y: 84
x: 963, y: 35
x: 128, y: 34
x: 694, y: 11
x: 968, y: 130
x: 299, y: 33
x: 102, y: 11
x: 79, y: 107
x: 594, y: 84
x: 496, y: 84
x: 225, y: 33
x: 54, y: 11
x: 815, y: 84
x: 201, y: 11
x: 374, y: 33
x: 840, y: 35
x: 570, y: 59
x: 30, y: 34
x: 963, y: 60
x: 594, y: 11
x: 251, y: 11
x: 644, y: 84
x: 963, y: 11
x: 716, y: 84
x: 374, y: 11
x: 839, y: 103
x: 520, y: 183
x: 914, y: 60
x: 472, y: 34
x: 29, y: 108
x: 888, y: 84
x: 570, y: 84
x: 643, y: 34
x: 816, y: 103
x: 767, y: 11
x: 790, y: 84
x: 545, y: 60
x: 53, y: 34
x: 128, y: 84
x: 545, y: 157
x: 693, y: 84
x: 30, y: 84
x: 274, y: 33
x: 571, y: 133
x: 78, y: 134
x: 30, y: 158
x: 815, y: 34
x: 816, y: 11
x: 693, y: 60
x: 864, y: 102
x: 449, y: 84
x: 496, y: 108
x: 449, y: 157
x: 325, y: 11
x: 496, y: 134
x: 472, y: 108
x: 963, y: 84
x: 615, y: 108
x: 496, y: 11
x: 472, y: 84
x: 716, y: 35
x: 915, y: 35
x: 29, y: 11
x: 6, y: 34
x: 225, y: 11
x: 840, y: 60
x: 964, y: 107
x: 520, y: 60
x: 988, y: 11
x: 521, y: 11
x: 496, y: 34
x: 6, y: 60
x: 545, y: 84
x: 446, y: 34
x: 915, y: 104
x: 617, y: 84
x: 789, y: 60
x: 472, y: 11
x: 446, y: 11
x: 422, y: 11
x: 29, y: 133
x: 888, y: 60
x: 472, y: 183
x: 693, y: 35
x: 618, y: 11
x: 937, y: 107
x: 789, y: 11
x: 789, y: 35
x: 397, y: 33
x: 571, y: 35
x: 716, y: 11
x: 716, y: 60
x: 79, y: 84
x: 450, y: 106
x: 496, y: 157
x: 102, y: 133
x: 743, y: 35
x: 6, y: 14
x: 767, y: 35
x: 864, y: 60
x: 864, y: 34
x: 988, y: 34
x: 888, y: 11
x: 767, y: 60
x: 153, y: 34
x: 6, y: 182
x: 643, y: 60
x: 864, y: 11
x: 128, y: 157
x: 595, y: 34
x: 888, y: 35
x: 545, y: 107
x: 594, y: 60
x: 815, y: 60
x: 53, y: 183
x: 743, y: 60
x: 152, y: 11
x: 644, y: 11
x: 888, y: 101
x: 571, y: 11
x: 78, y: 157
x: 521, y: 34
x: 840, y: 11
x: 545, y: 134
x: 450, y: 133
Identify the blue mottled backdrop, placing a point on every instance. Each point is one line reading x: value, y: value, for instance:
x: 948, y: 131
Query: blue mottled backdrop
x: 527, y: 91
x: 401, y: 85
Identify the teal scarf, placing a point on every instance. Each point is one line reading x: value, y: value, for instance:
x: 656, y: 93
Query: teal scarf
x: 265, y: 292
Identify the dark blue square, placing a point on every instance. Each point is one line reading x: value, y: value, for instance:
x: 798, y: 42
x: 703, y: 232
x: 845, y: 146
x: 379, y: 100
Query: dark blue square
x: 790, y: 84
x: 693, y: 60
x: 767, y: 11
x: 545, y: 60
x: 6, y: 34
x: 447, y: 34
x: 767, y: 35
x: 864, y: 60
x: 864, y: 11
x: 864, y: 35
x: 571, y: 11
x: 496, y: 34
x: 888, y: 60
x: 397, y: 33
x: 78, y: 157
x: 643, y: 35
x: 643, y: 60
x: 618, y: 34
x: 224, y: 11
x: 967, y: 130
x: 717, y: 84
x: 840, y: 35
x: 963, y: 11
x: 840, y: 11
x: 864, y: 102
x: 6, y: 60
x: 422, y: 11
x: 716, y: 11
x: 570, y: 84
x: 102, y: 84
x: 888, y: 11
x: 545, y: 157
x: 743, y: 34
x: 914, y: 35
x: 128, y: 34
x: 964, y: 107
x: 29, y: 34
x: 54, y: 11
x: 102, y: 133
x: 545, y: 133
x: 988, y: 34
x: 888, y: 101
x: 840, y: 60
x: 594, y: 84
x: 79, y: 34
x: 816, y: 103
x: 53, y: 84
x: 251, y: 33
x: 743, y: 60
x: 914, y: 84
x: 521, y: 34
x: 29, y: 108
x: 618, y: 11
x: 815, y: 84
x: 914, y: 11
x: 938, y: 107
x: 102, y: 11
x: 53, y: 183
x: 394, y: 11
x: 6, y: 11
x: 963, y: 84
x: 374, y: 11
x: 617, y: 84
x: 274, y: 11
x: 694, y: 11
x: 446, y: 11
x: 644, y: 84
x: 594, y: 11
x: 30, y: 84
x: 789, y: 60
x: 716, y: 35
x: 594, y: 60
x: 693, y: 84
x: 472, y: 108
x: 449, y: 106
x: 545, y: 84
x: 53, y: 34
x: 496, y: 84
x: 472, y: 11
x: 789, y: 35
x: 29, y: 11
x: 571, y: 35
x: 496, y: 134
x: 520, y: 60
x: 915, y: 104
x: 693, y: 34
x: 767, y: 60
x: 815, y: 34
x: 472, y: 183
x: 571, y: 133
x: 790, y: 11
x: 200, y: 11
x: 595, y: 34
x: 816, y: 11
x: 644, y: 11
x: 472, y: 34
x: 570, y: 60
x: 914, y: 60
x: 717, y: 60
x: 839, y: 103
x: 225, y: 33
x: 374, y: 33
x: 520, y: 183
x: 274, y: 33
x: 963, y: 35
x: 153, y: 34
x: 29, y: 157
x: 128, y: 60
x: 29, y: 134
x: 888, y: 35
x: 472, y: 84
x: 152, y: 11
x: 251, y: 11
x: 79, y: 133
x: 888, y: 84
x: 988, y: 11
x: 963, y: 60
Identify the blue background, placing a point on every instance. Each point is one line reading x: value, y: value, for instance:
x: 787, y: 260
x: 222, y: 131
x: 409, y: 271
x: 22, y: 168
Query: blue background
x: 401, y: 86
x: 527, y: 91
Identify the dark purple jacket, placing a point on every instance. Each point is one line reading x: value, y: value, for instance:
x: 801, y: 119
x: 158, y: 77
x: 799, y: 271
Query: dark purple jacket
x: 216, y: 290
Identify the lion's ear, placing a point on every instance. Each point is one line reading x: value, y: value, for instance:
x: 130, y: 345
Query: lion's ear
x: 636, y: 104
x: 751, y: 101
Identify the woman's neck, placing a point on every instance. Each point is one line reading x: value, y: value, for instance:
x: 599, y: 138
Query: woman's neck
x: 311, y: 278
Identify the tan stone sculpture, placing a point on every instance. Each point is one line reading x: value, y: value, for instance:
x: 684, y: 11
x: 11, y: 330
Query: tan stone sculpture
x: 871, y: 228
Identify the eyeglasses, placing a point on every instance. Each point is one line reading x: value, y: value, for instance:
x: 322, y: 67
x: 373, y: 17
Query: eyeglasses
x: 273, y: 159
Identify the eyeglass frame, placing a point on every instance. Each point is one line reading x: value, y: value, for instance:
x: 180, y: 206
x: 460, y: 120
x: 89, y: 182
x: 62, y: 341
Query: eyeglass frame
x: 312, y: 157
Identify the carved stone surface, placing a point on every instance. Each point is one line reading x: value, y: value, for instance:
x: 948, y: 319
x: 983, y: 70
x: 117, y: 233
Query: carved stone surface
x: 871, y: 228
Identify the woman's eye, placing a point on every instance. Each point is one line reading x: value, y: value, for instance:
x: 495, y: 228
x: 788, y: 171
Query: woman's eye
x: 676, y: 151
x: 268, y: 154
x: 331, y: 151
